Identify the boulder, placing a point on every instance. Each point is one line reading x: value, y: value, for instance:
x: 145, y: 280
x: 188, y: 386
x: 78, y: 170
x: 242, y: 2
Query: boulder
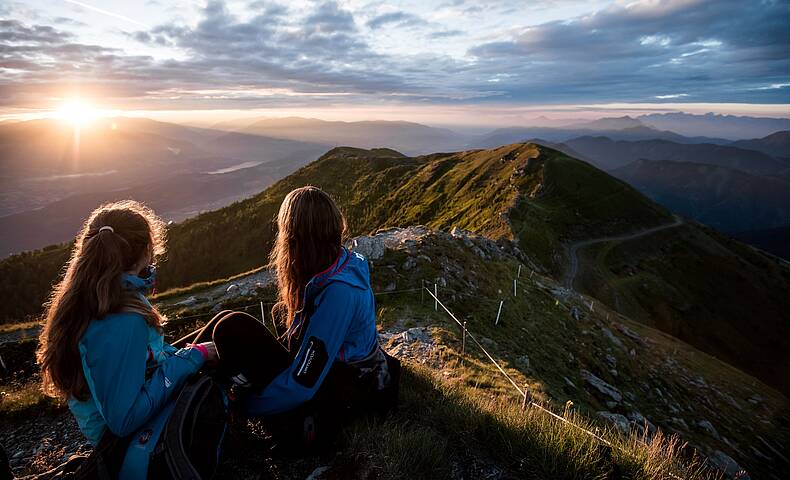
x: 603, y: 388
x: 709, y: 428
x: 728, y: 465
x: 371, y: 247
x: 618, y: 420
x: 612, y: 337
x: 523, y: 362
x: 416, y: 334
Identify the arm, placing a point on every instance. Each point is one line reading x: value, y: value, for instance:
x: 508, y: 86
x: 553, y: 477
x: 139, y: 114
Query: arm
x: 321, y: 343
x: 114, y: 367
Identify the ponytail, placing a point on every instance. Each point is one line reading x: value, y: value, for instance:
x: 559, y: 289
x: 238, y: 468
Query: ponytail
x: 112, y: 241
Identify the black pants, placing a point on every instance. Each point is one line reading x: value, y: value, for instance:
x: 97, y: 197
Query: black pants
x: 244, y: 346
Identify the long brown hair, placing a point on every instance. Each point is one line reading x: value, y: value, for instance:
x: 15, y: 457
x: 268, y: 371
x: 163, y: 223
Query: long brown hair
x: 310, y: 232
x: 92, y: 287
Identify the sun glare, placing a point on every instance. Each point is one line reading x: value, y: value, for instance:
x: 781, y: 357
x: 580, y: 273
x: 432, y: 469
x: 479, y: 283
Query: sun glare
x: 77, y: 112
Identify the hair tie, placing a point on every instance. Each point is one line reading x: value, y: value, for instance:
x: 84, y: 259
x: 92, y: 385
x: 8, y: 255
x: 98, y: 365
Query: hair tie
x: 108, y: 228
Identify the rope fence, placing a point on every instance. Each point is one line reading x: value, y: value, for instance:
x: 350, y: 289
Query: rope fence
x: 524, y: 393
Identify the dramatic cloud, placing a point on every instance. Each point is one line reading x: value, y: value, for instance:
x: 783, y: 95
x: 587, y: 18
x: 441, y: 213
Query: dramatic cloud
x: 270, y: 54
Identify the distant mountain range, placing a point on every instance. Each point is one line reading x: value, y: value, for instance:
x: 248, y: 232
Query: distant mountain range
x: 713, y: 125
x: 727, y: 199
x: 609, y: 154
x: 207, y: 168
x: 411, y: 138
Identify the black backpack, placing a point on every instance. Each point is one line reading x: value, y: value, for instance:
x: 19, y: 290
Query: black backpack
x: 191, y: 444
x: 189, y: 447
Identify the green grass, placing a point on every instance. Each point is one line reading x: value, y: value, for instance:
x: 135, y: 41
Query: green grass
x: 20, y: 399
x: 440, y: 425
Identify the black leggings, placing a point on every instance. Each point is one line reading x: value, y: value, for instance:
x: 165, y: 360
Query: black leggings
x: 244, y: 346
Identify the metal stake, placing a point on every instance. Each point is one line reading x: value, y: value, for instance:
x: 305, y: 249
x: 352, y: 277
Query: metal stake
x: 499, y: 312
x: 436, y: 297
x: 463, y: 343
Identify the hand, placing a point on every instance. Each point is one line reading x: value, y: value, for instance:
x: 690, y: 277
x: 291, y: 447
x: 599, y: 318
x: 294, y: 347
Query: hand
x: 212, y: 358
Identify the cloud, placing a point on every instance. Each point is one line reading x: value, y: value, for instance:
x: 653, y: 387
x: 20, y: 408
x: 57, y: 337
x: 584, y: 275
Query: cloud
x: 311, y: 54
x: 396, y: 19
x: 629, y: 50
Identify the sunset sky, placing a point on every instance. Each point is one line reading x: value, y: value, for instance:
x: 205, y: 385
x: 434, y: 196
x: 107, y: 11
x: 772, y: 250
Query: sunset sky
x: 465, y: 62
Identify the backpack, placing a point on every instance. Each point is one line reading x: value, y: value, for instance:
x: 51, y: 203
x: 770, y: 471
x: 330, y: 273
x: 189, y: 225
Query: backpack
x: 189, y: 447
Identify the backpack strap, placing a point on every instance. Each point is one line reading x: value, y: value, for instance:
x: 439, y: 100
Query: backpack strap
x: 195, y: 391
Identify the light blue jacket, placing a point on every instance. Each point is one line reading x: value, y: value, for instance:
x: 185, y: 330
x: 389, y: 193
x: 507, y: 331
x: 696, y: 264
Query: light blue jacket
x: 131, y: 374
x: 341, y: 326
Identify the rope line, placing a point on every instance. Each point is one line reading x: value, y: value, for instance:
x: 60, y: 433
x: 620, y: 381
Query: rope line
x: 244, y: 307
x: 521, y: 392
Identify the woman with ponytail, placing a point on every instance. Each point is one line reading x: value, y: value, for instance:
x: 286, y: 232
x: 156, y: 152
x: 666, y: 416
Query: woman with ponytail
x: 101, y: 348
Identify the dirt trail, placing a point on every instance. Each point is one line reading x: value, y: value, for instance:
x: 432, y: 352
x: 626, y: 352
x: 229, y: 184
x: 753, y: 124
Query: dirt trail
x: 573, y: 248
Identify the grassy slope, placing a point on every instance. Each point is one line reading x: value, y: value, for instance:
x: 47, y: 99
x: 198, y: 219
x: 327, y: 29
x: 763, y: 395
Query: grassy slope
x: 698, y: 285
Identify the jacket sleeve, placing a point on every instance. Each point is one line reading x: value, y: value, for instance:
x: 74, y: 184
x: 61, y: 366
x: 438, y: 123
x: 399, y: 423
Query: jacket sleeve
x: 115, y: 369
x: 320, y: 346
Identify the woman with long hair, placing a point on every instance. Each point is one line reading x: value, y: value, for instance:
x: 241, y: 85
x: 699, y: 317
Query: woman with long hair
x: 102, y: 348
x: 328, y: 361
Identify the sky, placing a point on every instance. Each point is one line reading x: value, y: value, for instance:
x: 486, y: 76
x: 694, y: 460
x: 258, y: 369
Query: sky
x: 446, y: 61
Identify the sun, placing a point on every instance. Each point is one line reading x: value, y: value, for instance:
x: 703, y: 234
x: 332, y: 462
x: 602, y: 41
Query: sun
x: 77, y: 112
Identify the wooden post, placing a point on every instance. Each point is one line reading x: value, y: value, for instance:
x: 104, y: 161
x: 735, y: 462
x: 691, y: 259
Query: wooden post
x: 499, y: 312
x: 525, y: 401
x: 436, y: 297
x: 463, y: 343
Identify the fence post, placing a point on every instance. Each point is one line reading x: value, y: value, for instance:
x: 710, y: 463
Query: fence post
x: 525, y: 401
x: 519, y: 272
x: 499, y: 312
x: 463, y: 343
x: 515, y: 287
x: 436, y: 297
x: 531, y: 272
x: 591, y: 305
x: 263, y: 315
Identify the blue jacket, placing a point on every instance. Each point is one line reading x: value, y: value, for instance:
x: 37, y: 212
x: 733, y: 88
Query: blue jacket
x: 131, y: 374
x: 341, y: 327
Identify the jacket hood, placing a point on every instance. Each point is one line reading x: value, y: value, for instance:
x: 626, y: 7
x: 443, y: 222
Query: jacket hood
x: 350, y: 268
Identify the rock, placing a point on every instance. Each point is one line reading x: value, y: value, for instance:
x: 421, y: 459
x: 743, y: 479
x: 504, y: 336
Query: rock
x: 611, y: 361
x: 523, y: 362
x: 232, y: 288
x: 441, y: 282
x: 709, y: 428
x: 409, y: 263
x: 679, y: 422
x: 390, y: 287
x: 576, y: 314
x: 602, y: 387
x: 729, y: 466
x: 640, y: 422
x: 371, y: 247
x: 187, y: 303
x: 318, y: 473
x: 630, y: 333
x: 755, y: 399
x: 416, y: 334
x: 216, y: 308
x: 618, y: 420
x: 612, y: 337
